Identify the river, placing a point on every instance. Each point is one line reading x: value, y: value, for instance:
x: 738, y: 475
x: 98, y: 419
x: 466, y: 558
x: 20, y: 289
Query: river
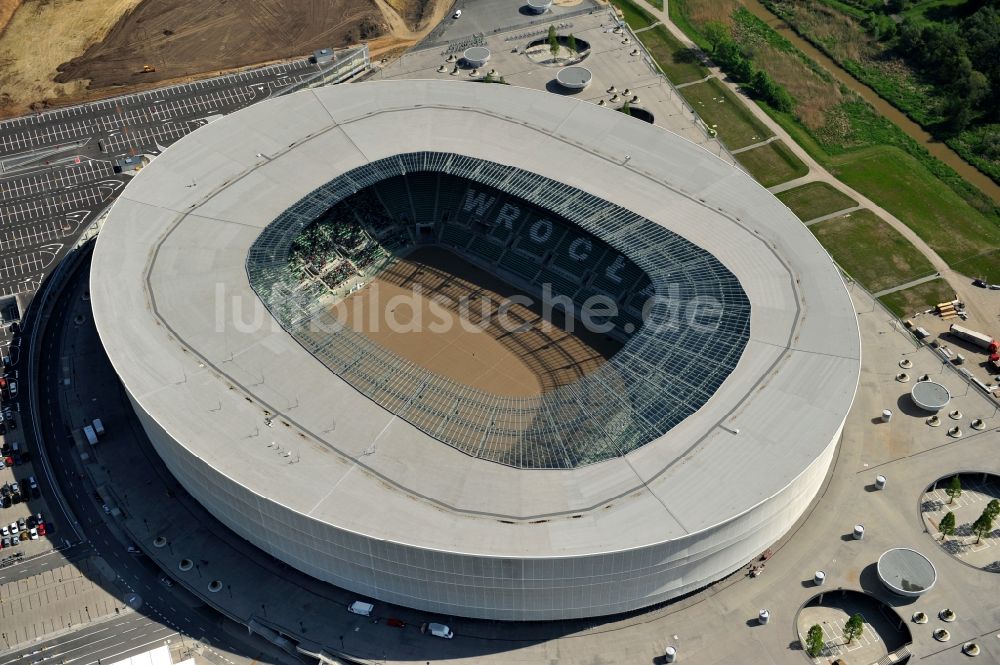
x: 915, y: 131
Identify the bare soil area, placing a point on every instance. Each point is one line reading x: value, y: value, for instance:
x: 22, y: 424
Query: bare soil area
x: 415, y: 309
x: 56, y: 52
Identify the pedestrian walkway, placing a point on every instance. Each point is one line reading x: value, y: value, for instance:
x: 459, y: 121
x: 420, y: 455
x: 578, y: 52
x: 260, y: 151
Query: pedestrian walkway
x: 909, y: 284
x: 816, y: 172
x: 754, y: 145
x: 838, y: 213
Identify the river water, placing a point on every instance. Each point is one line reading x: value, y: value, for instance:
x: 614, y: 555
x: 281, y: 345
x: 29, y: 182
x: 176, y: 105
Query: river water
x: 918, y: 133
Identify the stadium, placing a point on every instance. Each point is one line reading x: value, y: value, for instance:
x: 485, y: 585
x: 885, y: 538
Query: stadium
x: 476, y: 349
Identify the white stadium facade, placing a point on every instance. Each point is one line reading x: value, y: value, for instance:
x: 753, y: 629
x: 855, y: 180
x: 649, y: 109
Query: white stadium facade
x: 693, y: 449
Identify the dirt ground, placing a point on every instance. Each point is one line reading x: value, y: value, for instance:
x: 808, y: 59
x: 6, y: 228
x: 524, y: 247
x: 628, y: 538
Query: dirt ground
x: 413, y: 309
x: 56, y: 52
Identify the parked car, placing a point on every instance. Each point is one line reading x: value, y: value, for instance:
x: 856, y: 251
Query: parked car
x: 166, y: 581
x: 15, y: 539
x: 107, y: 510
x: 42, y: 531
x: 981, y: 283
x: 5, y: 531
x: 132, y: 549
x: 13, y: 389
x: 33, y: 533
x: 440, y: 630
x: 7, y: 541
x: 457, y: 14
x: 6, y: 502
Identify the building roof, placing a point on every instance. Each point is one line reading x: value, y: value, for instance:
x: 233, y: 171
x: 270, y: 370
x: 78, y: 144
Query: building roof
x: 170, y: 269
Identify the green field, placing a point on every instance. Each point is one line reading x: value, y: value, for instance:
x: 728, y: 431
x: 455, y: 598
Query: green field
x: 918, y: 298
x: 726, y: 113
x: 954, y: 229
x: 656, y: 3
x: 871, y: 251
x: 815, y: 199
x: 772, y: 164
x: 678, y: 62
x: 634, y: 15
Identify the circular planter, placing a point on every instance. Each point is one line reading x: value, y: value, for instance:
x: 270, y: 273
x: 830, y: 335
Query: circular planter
x: 906, y: 363
x: 942, y: 635
x: 970, y: 649
x: 903, y: 377
x: 947, y: 615
x: 215, y: 586
x: 159, y: 541
x: 919, y: 617
x: 185, y: 565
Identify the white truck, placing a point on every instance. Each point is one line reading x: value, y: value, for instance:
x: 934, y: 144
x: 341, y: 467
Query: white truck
x: 981, y: 340
x: 88, y: 432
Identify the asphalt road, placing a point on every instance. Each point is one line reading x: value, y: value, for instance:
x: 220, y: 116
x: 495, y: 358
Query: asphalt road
x: 57, y: 167
x: 164, y: 612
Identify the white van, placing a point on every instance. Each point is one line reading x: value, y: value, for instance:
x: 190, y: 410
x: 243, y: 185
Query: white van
x: 440, y: 630
x: 362, y: 608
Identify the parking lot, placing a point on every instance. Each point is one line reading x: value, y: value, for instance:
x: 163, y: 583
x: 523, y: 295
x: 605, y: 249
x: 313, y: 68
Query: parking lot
x: 58, y: 168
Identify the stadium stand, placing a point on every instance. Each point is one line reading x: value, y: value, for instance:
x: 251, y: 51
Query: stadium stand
x: 488, y: 214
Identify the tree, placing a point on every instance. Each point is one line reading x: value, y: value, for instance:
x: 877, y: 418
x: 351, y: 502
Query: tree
x: 553, y: 41
x: 993, y: 508
x: 947, y: 525
x: 854, y: 627
x: 954, y: 489
x: 715, y: 33
x: 626, y: 108
x: 571, y: 43
x: 814, y: 640
x: 983, y: 524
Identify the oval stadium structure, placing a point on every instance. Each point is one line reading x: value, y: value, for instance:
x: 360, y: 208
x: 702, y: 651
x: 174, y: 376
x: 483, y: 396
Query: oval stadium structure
x: 670, y: 418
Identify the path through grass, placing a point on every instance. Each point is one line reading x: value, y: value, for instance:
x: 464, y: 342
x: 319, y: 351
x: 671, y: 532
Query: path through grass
x: 726, y: 113
x: 871, y: 251
x: 815, y: 199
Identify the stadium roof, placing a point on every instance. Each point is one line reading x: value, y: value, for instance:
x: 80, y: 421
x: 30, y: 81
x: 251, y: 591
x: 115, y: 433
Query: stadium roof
x: 170, y: 269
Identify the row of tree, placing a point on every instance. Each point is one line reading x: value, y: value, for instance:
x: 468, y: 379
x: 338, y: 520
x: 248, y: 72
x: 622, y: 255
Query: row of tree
x: 983, y: 525
x: 728, y: 54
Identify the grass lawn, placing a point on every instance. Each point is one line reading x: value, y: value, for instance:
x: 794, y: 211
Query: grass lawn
x: 901, y: 184
x: 725, y: 112
x: 918, y: 298
x: 815, y: 199
x: 871, y: 251
x: 656, y: 3
x: 677, y: 61
x: 634, y: 15
x: 772, y: 164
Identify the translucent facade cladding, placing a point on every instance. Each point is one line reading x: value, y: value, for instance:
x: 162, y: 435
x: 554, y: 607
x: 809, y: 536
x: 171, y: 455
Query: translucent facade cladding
x: 693, y: 332
x: 489, y: 587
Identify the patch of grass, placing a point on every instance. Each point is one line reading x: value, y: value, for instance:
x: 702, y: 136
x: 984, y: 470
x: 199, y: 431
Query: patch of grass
x: 656, y: 3
x: 901, y: 184
x: 726, y: 113
x: 815, y: 199
x: 918, y: 298
x: 871, y: 251
x: 633, y: 14
x: 772, y: 164
x: 678, y: 62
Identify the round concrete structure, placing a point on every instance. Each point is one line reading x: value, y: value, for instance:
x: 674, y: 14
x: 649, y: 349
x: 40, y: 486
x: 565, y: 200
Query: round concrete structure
x: 539, y: 6
x: 477, y: 56
x: 930, y: 396
x: 906, y: 572
x: 574, y: 78
x: 327, y: 475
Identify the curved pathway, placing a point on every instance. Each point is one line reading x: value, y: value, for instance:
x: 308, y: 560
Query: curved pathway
x: 816, y: 172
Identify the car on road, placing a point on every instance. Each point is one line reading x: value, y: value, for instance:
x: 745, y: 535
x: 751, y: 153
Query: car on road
x: 457, y: 14
x: 13, y: 389
x: 981, y: 283
x: 132, y: 549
